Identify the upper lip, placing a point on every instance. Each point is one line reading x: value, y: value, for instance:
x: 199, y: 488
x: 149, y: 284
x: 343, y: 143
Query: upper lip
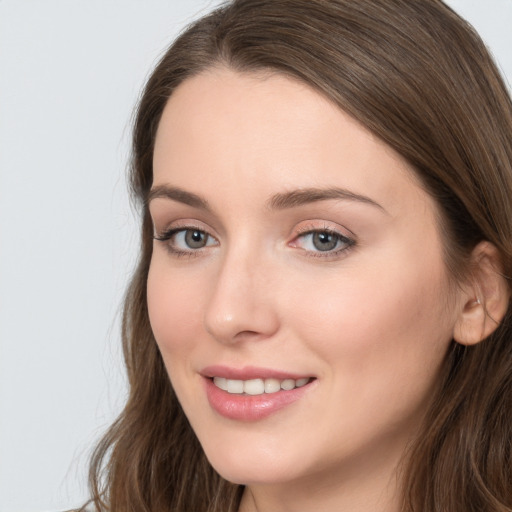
x: 249, y: 372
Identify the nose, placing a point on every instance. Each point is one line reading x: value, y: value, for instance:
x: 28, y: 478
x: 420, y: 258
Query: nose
x: 241, y: 307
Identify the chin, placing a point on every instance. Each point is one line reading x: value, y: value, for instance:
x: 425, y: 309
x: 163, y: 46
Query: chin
x: 243, y: 474
x: 259, y: 465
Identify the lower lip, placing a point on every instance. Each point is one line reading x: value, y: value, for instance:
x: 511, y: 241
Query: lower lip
x: 251, y: 407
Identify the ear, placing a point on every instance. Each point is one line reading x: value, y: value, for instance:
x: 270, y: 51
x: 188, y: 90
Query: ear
x: 484, y: 298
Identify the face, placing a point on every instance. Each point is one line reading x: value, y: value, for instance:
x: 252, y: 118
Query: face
x: 297, y: 289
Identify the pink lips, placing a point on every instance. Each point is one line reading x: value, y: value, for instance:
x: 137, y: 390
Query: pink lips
x: 243, y: 407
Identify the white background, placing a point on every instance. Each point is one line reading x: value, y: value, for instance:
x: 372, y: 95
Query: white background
x: 70, y: 74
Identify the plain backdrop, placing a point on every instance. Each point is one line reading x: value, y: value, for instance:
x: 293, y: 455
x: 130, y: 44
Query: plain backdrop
x: 70, y: 75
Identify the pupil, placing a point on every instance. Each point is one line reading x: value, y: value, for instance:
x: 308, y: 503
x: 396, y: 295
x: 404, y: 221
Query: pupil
x: 195, y: 239
x: 324, y: 241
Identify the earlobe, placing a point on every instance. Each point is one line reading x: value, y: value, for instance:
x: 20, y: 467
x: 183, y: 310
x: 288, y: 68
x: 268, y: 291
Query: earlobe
x: 485, y: 299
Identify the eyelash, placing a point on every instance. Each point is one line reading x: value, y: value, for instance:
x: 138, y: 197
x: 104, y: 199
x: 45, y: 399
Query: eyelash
x: 167, y: 235
x: 347, y: 242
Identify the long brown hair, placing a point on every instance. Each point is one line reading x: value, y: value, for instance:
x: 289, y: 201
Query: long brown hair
x: 419, y: 77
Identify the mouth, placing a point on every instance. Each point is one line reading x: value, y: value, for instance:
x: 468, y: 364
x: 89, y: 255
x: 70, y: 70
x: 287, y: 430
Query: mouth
x: 251, y: 393
x: 259, y: 386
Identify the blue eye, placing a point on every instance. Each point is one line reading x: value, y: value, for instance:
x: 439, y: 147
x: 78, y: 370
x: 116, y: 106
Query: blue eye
x: 186, y: 240
x: 323, y: 241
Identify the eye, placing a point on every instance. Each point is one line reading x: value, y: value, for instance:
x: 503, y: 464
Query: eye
x: 323, y: 241
x: 186, y: 240
x: 191, y: 239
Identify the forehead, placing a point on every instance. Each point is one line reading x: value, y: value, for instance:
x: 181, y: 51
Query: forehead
x: 260, y: 132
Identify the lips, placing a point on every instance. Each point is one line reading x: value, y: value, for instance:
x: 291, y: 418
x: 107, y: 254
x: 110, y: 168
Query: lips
x: 252, y: 394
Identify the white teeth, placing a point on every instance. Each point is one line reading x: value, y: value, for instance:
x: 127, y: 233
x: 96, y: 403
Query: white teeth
x: 221, y: 383
x: 254, y: 387
x: 272, y: 385
x: 258, y: 386
x: 235, y: 386
x: 287, y: 384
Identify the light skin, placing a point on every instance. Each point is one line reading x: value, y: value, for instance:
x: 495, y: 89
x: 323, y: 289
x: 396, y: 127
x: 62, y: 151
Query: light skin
x: 257, y: 164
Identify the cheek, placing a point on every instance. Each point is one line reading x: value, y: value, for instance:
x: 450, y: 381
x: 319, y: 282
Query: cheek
x: 378, y: 337
x: 174, y: 309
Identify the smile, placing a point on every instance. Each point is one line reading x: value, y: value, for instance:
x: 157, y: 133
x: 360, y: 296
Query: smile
x: 260, y: 394
x: 258, y: 386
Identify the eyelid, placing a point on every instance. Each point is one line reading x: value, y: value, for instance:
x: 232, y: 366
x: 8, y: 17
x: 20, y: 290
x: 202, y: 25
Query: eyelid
x: 166, y: 235
x: 313, y: 225
x: 344, y: 235
x: 182, y: 224
x: 310, y: 227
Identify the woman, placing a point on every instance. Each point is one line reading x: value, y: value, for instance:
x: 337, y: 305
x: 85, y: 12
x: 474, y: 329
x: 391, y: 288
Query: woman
x: 320, y: 317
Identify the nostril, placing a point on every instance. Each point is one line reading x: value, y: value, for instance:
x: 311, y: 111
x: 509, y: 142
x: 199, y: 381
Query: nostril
x: 239, y: 310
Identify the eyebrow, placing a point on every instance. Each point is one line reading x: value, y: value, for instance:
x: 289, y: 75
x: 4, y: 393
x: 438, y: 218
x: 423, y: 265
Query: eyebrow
x: 312, y: 195
x: 180, y: 195
x: 280, y: 201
